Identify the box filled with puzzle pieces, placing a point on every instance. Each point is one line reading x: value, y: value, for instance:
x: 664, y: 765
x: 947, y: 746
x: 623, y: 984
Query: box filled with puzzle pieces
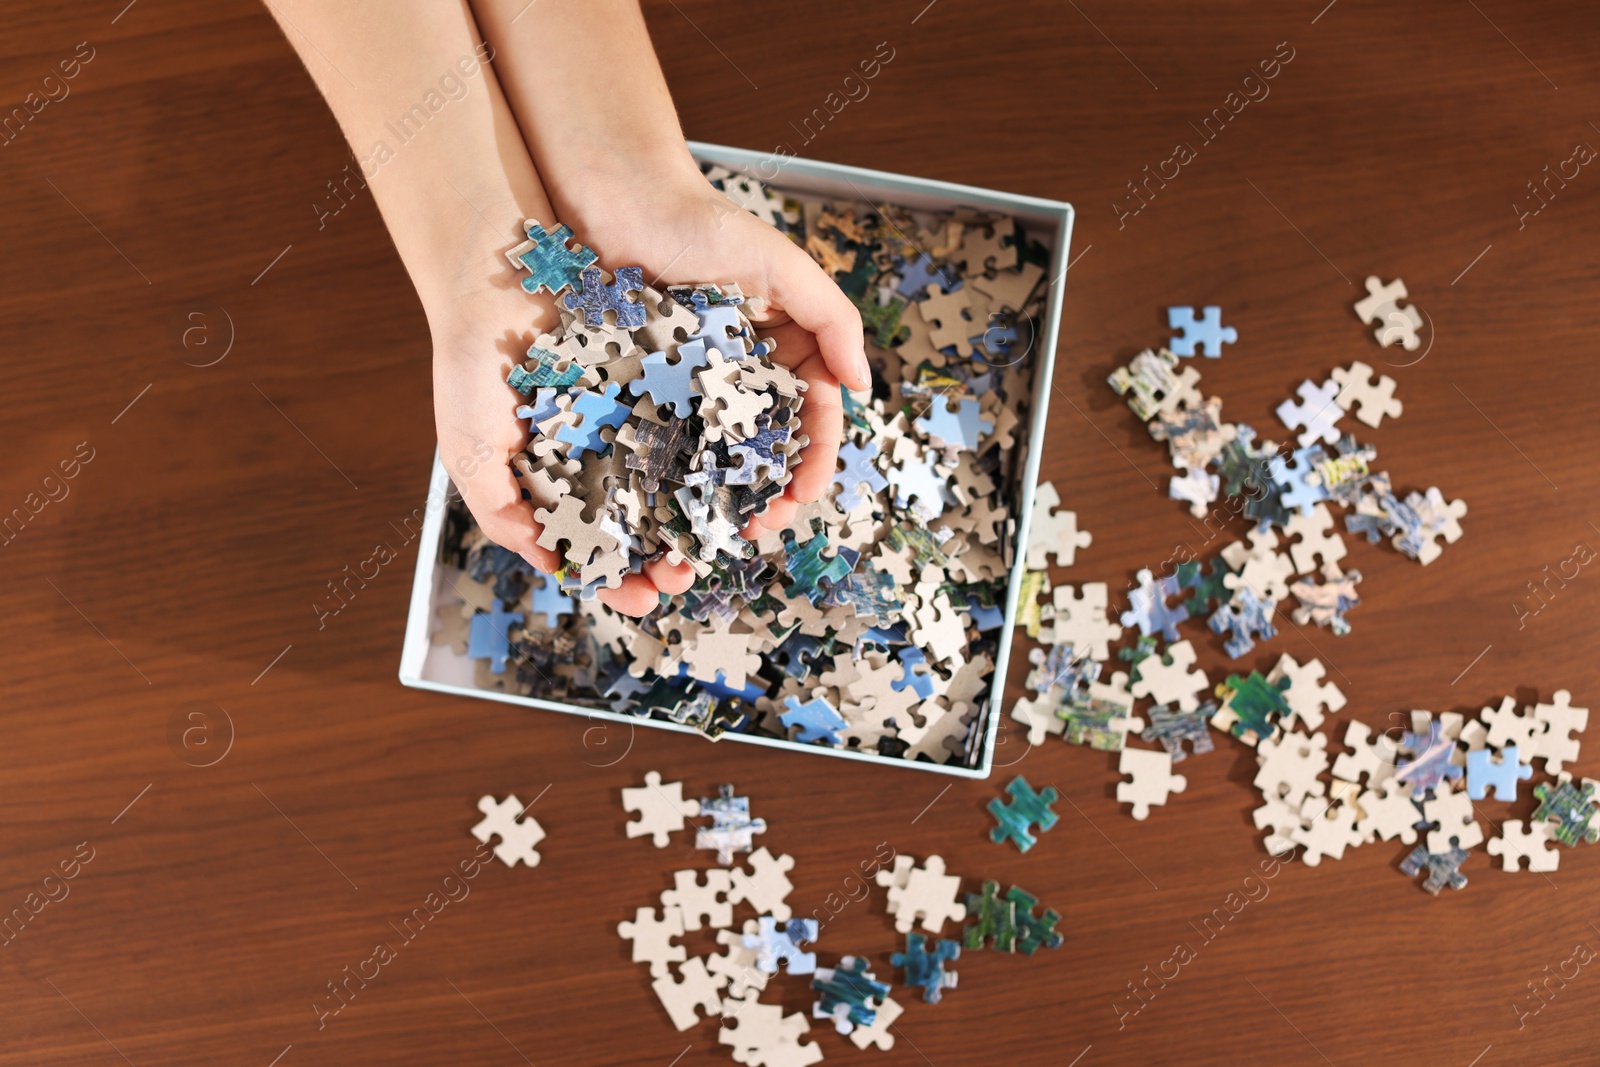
x: 874, y: 626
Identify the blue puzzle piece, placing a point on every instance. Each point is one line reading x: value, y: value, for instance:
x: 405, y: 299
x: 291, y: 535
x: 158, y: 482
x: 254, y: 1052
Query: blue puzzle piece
x: 809, y: 570
x: 851, y: 995
x: 917, y: 275
x: 1247, y: 616
x: 554, y: 265
x: 1296, y: 490
x: 956, y: 423
x: 599, y: 411
x: 1149, y: 609
x: 490, y: 636
x: 921, y: 682
x: 984, y: 618
x: 551, y: 602
x: 1026, y: 809
x: 816, y: 720
x: 997, y: 339
x: 598, y: 297
x: 927, y: 969
x: 1429, y: 765
x: 859, y: 470
x: 1485, y: 773
x: 546, y: 371
x: 773, y: 943
x: 1205, y: 330
x: 720, y: 329
x: 671, y: 383
x: 544, y: 405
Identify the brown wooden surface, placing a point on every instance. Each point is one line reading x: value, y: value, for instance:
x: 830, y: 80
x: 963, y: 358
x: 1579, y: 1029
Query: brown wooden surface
x: 186, y: 558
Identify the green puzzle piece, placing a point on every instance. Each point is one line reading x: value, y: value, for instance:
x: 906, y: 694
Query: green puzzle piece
x: 1017, y: 818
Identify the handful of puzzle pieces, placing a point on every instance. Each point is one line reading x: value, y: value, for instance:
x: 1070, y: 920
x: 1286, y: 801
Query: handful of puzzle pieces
x: 728, y: 985
x: 1419, y: 781
x: 660, y: 423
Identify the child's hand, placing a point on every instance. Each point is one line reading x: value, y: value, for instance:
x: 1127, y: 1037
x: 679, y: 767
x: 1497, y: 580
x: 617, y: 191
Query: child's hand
x: 477, y: 335
x: 681, y: 229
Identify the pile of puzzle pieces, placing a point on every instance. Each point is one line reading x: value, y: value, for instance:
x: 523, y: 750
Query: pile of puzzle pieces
x: 728, y: 984
x: 658, y: 424
x: 871, y: 621
x: 1424, y: 785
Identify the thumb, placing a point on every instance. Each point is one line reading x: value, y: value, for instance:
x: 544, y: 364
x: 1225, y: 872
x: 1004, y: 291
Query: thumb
x: 804, y: 292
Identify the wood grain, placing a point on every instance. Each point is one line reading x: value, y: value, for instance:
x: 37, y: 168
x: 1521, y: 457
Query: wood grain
x: 178, y: 573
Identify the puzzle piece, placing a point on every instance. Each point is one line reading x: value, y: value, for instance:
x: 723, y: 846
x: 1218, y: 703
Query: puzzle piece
x: 955, y: 423
x: 929, y: 894
x: 697, y: 899
x: 1554, y: 744
x: 1315, y: 414
x: 1153, y: 386
x: 1149, y: 609
x: 773, y: 944
x: 731, y: 825
x: 1443, y: 869
x: 671, y: 383
x: 1317, y: 539
x: 735, y: 969
x: 1169, y: 680
x: 661, y: 808
x: 599, y: 411
x: 764, y: 1036
x: 1569, y: 810
x: 1325, y: 831
x: 1484, y: 773
x: 1516, y: 844
x: 1308, y: 694
x: 695, y: 988
x: 1026, y: 809
x: 859, y: 469
x: 1325, y: 603
x: 1252, y: 707
x: 551, y: 260
x: 1173, y: 728
x: 815, y: 720
x: 518, y: 832
x: 1102, y: 715
x: 1290, y: 766
x: 1033, y: 931
x: 1430, y: 763
x: 652, y: 938
x: 1195, y: 486
x: 1423, y: 518
x: 1204, y: 330
x: 1080, y: 619
x: 765, y: 886
x: 1457, y: 826
x: 926, y: 969
x: 996, y: 920
x: 1152, y: 780
x: 1396, y: 325
x: 878, y: 1033
x: 599, y: 296
x: 850, y: 994
x: 490, y: 636
x: 1356, y: 389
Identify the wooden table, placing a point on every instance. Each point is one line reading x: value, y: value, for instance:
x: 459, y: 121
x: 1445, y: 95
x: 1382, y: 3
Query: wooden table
x: 263, y: 803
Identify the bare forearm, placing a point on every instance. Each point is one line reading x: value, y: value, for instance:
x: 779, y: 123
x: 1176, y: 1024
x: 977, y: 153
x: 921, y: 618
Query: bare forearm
x: 411, y: 86
x: 593, y: 105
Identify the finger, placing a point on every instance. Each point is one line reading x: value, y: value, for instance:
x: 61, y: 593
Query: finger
x: 635, y: 596
x: 822, y: 420
x: 495, y: 500
x: 779, y: 513
x: 809, y: 297
x: 753, y: 530
x: 670, y: 578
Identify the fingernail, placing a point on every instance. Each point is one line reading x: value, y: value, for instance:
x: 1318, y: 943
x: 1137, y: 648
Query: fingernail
x: 864, y: 371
